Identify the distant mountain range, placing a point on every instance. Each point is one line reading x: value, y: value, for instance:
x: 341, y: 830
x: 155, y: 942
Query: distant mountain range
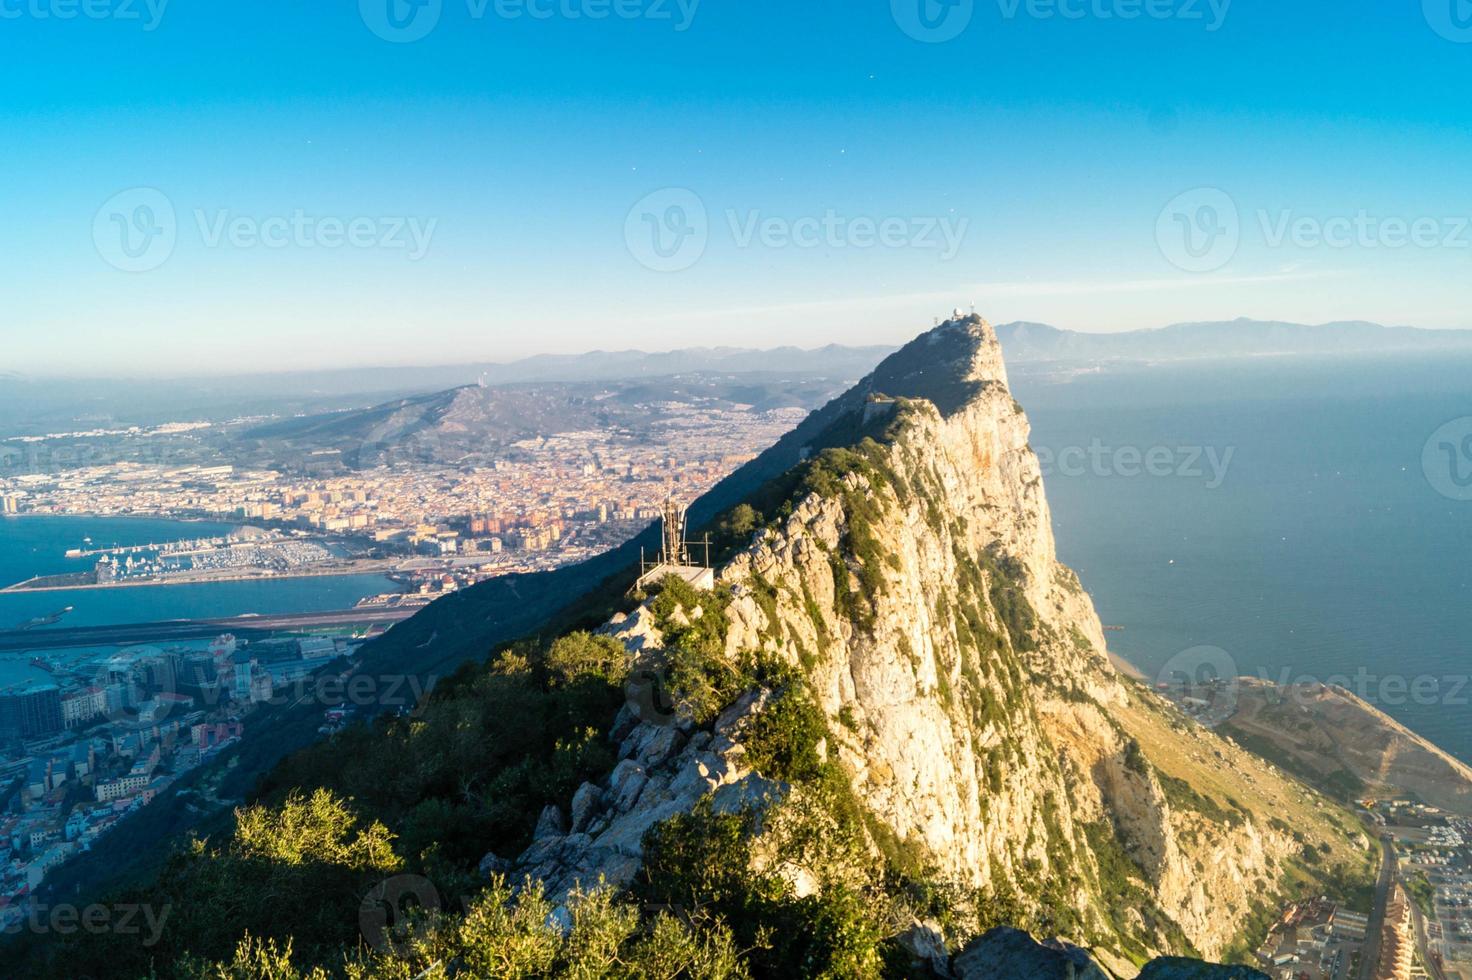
x: 29, y: 404
x: 1025, y: 342
x: 471, y: 423
x: 832, y: 361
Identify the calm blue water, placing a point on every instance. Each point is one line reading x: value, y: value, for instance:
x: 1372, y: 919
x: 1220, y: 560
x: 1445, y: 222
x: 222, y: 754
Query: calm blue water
x: 1325, y: 551
x: 37, y: 546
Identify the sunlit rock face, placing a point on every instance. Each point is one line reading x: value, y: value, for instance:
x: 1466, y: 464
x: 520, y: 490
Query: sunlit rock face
x: 911, y: 577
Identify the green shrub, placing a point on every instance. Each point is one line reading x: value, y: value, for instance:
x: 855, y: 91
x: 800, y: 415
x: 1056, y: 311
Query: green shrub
x: 580, y: 656
x: 703, y: 860
x: 510, y: 936
x: 1134, y: 758
x: 782, y: 740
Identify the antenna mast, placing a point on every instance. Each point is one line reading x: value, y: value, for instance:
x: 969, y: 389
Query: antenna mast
x: 673, y: 525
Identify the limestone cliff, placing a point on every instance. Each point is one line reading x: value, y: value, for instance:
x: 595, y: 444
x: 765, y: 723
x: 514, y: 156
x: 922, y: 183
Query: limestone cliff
x: 906, y: 571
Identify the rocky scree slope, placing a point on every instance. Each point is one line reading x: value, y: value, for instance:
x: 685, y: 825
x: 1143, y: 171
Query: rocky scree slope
x: 966, y: 725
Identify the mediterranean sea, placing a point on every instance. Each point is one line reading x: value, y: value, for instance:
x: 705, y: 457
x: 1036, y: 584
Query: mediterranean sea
x: 1321, y: 550
x: 33, y: 545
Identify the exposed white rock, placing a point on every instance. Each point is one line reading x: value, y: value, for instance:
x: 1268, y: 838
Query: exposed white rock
x: 991, y: 751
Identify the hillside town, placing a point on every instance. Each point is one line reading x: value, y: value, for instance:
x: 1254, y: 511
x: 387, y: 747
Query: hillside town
x: 1433, y: 850
x: 545, y: 502
x: 82, y: 752
x: 112, y: 728
x: 1422, y: 927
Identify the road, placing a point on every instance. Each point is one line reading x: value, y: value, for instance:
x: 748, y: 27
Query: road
x: 194, y: 629
x: 1423, y: 942
x: 1370, y: 952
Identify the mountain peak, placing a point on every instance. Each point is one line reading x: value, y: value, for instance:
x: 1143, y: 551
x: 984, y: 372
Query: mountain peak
x: 947, y: 365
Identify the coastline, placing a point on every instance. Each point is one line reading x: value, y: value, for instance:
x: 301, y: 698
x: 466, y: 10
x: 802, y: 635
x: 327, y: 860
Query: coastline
x: 1125, y: 667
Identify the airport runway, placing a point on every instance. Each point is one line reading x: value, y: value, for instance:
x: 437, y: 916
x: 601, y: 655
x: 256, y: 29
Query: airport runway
x: 194, y: 629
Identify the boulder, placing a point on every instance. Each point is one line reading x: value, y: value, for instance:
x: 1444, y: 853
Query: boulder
x: 1011, y: 954
x: 549, y: 824
x: 625, y: 784
x: 651, y: 745
x: 585, y: 806
x: 493, y: 865
x: 927, y: 949
x: 623, y: 723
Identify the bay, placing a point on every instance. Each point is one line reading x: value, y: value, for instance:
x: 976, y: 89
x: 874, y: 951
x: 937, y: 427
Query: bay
x: 1325, y: 553
x: 33, y: 545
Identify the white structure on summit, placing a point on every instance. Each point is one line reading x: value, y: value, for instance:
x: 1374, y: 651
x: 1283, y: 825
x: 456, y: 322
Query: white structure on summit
x: 674, y: 552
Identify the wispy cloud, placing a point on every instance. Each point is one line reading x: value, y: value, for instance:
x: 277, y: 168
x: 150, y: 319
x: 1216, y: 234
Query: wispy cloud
x: 981, y: 291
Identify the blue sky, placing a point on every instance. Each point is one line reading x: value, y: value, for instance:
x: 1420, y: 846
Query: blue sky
x: 814, y: 173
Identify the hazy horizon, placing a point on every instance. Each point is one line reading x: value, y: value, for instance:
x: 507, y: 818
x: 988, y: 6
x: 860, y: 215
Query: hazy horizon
x: 902, y: 336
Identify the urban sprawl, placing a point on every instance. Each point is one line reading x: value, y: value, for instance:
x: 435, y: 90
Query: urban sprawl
x: 110, y: 729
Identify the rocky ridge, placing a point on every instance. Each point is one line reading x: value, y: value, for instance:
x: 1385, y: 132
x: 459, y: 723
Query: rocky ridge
x: 907, y: 572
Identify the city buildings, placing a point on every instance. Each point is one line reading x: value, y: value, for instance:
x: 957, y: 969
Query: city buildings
x: 31, y: 710
x: 1397, y: 944
x: 80, y: 754
x: 100, y: 742
x: 543, y: 502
